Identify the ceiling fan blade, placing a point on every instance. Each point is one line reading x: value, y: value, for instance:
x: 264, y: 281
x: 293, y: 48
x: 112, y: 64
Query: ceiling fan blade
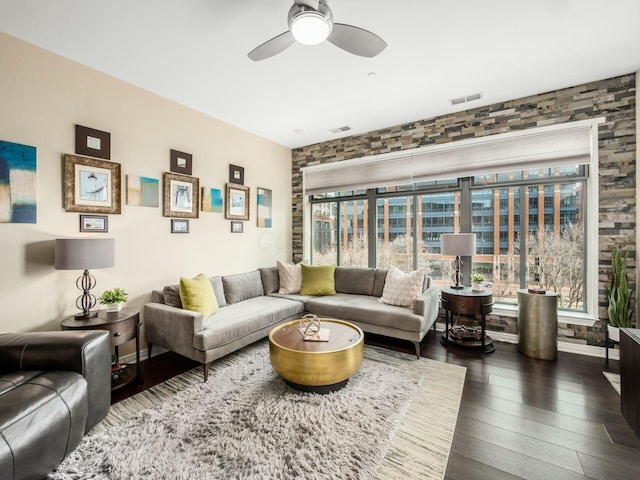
x: 356, y: 40
x: 308, y: 3
x: 272, y: 47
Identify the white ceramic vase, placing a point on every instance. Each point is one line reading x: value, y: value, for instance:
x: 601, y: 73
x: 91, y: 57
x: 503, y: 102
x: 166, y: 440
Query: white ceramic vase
x: 614, y: 333
x: 114, y: 307
x: 477, y: 287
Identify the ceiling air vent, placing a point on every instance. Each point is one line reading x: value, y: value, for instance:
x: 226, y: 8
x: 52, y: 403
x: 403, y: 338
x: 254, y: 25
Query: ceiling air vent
x: 340, y: 129
x: 468, y: 98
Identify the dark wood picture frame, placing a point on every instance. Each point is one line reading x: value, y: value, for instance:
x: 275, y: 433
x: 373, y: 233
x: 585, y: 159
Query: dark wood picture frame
x: 236, y: 174
x: 237, y: 202
x: 92, y: 142
x: 78, y: 196
x: 181, y: 162
x: 179, y: 225
x: 94, y: 223
x: 237, y: 227
x: 181, y: 196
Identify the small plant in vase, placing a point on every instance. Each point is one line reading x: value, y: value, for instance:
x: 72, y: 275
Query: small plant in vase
x: 620, y: 308
x: 113, y: 299
x: 477, y: 282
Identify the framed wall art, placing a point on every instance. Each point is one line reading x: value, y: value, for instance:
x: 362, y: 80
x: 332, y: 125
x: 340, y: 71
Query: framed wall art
x: 264, y: 207
x: 94, y: 223
x: 181, y: 162
x: 236, y: 174
x: 179, y: 225
x: 92, y: 142
x: 211, y: 200
x: 142, y: 191
x: 181, y: 196
x: 90, y: 185
x: 237, y: 202
x: 237, y: 227
x: 17, y: 183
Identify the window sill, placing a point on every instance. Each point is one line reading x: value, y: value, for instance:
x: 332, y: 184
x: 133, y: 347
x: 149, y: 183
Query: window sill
x: 564, y: 317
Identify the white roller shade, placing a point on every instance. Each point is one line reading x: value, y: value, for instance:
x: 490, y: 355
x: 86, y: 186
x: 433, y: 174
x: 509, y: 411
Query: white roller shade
x: 552, y: 146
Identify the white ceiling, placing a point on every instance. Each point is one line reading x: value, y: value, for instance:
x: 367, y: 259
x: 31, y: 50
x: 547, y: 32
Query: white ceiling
x: 194, y: 52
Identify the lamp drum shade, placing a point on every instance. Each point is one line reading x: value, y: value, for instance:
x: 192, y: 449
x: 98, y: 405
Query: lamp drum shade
x: 458, y: 244
x: 84, y: 253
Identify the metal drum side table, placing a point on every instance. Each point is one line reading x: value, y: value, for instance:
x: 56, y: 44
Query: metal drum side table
x: 538, y: 324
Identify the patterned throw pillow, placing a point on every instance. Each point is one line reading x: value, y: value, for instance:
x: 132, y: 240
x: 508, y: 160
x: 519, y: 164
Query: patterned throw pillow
x: 401, y: 288
x: 290, y: 277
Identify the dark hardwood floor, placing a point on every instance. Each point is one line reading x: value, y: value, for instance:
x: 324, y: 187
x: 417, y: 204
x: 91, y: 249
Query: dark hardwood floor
x: 519, y: 417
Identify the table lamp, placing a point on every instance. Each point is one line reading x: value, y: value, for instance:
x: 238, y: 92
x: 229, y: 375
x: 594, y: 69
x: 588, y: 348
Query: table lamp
x: 460, y: 245
x: 85, y: 254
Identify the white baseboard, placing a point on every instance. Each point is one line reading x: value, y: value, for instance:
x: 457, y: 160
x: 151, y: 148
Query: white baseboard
x: 569, y: 347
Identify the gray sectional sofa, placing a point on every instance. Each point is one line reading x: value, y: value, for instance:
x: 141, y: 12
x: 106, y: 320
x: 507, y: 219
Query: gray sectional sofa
x: 250, y: 306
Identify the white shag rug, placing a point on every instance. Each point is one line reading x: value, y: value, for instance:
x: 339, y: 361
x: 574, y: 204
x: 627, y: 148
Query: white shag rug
x: 246, y: 423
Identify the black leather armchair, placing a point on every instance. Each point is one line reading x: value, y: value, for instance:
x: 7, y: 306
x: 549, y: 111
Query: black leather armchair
x: 54, y: 387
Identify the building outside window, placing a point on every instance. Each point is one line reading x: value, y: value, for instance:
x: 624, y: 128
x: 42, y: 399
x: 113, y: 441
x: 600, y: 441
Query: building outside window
x: 408, y: 221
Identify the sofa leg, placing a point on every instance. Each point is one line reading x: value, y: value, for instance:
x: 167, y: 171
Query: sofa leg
x: 205, y: 367
x: 149, y: 346
x: 417, y: 349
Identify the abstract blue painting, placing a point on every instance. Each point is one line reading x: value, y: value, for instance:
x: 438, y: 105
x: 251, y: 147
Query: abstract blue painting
x: 17, y: 183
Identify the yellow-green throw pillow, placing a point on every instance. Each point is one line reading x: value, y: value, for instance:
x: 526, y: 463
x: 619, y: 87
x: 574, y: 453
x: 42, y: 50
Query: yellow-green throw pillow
x: 318, y: 280
x: 197, y: 295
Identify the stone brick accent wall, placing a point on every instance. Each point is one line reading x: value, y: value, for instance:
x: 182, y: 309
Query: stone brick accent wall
x: 614, y: 99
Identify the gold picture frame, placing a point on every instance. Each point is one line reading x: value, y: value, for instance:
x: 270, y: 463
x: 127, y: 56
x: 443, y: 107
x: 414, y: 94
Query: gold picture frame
x: 90, y: 185
x: 236, y: 202
x: 181, y: 196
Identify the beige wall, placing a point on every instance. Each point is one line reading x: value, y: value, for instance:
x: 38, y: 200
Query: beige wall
x: 42, y: 97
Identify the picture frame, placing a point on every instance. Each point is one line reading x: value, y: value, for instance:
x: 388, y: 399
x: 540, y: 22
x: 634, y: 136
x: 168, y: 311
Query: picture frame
x: 92, y: 142
x: 236, y: 202
x: 264, y: 199
x: 90, y: 185
x: 181, y: 162
x: 236, y: 174
x: 181, y: 196
x: 179, y: 225
x: 94, y: 223
x: 237, y: 227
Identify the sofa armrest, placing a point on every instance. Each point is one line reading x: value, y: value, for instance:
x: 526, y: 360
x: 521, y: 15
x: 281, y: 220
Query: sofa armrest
x: 87, y: 352
x: 427, y: 305
x: 171, y: 327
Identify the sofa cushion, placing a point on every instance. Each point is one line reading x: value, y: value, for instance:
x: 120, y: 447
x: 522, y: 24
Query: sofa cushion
x: 355, y: 280
x: 218, y: 289
x: 171, y: 294
x: 378, y: 282
x: 270, y: 279
x: 318, y: 280
x: 197, y: 295
x: 290, y: 277
x: 402, y: 288
x: 242, y: 286
x: 245, y: 318
x: 365, y: 309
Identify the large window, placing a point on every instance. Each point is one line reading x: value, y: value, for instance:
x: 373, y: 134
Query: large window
x: 528, y: 224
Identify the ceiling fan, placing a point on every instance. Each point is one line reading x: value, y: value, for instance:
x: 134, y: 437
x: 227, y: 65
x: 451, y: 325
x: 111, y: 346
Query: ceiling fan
x: 311, y: 23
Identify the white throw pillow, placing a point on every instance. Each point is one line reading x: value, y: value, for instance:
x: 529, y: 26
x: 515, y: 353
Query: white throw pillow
x: 290, y: 277
x: 402, y: 288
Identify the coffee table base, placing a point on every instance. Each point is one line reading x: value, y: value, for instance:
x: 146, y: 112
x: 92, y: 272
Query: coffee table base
x: 322, y: 389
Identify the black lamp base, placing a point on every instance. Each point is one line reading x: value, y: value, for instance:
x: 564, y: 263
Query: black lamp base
x: 85, y: 316
x: 457, y: 287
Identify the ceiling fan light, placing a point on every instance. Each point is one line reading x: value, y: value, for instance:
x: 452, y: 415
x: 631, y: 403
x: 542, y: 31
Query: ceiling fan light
x: 310, y: 28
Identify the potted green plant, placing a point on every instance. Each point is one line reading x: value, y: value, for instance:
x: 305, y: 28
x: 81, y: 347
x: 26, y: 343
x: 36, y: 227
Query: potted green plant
x: 477, y: 282
x: 113, y: 299
x: 620, y: 308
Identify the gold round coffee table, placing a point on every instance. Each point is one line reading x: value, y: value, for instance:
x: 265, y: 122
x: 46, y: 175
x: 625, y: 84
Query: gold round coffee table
x: 319, y: 367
